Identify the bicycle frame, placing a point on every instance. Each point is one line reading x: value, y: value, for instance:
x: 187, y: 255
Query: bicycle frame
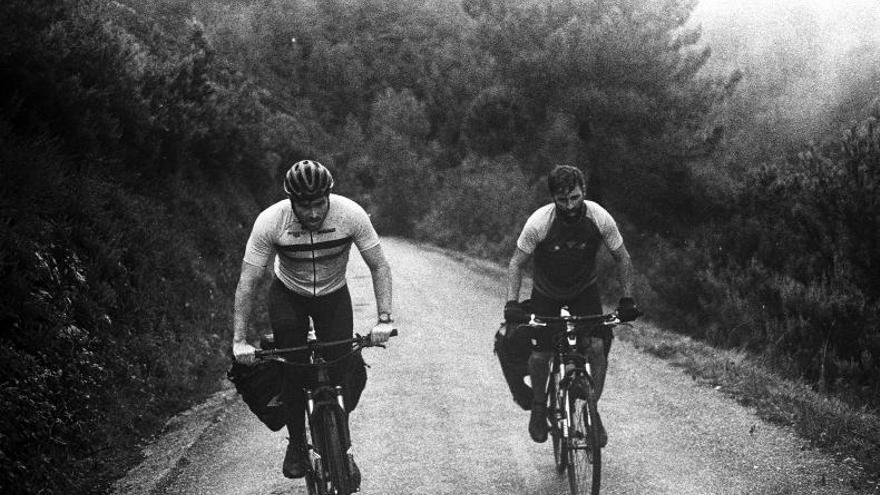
x: 328, y: 438
x: 324, y: 400
x: 570, y: 366
x: 566, y: 367
x: 568, y: 360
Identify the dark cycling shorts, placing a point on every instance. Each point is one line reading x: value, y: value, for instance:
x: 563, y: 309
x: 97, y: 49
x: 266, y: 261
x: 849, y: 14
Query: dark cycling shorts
x: 586, y: 303
x: 289, y: 314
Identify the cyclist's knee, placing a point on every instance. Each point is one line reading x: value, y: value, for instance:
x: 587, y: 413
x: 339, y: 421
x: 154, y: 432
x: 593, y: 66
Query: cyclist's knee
x: 596, y: 350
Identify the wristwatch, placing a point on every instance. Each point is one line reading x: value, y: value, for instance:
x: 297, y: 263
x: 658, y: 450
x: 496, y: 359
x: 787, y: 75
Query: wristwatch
x: 385, y: 318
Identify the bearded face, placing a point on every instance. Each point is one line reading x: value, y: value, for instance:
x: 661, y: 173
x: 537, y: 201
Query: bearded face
x: 311, y: 213
x: 570, y: 206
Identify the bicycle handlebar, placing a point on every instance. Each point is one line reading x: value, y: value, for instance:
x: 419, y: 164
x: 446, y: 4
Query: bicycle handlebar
x: 360, y: 341
x: 607, y: 320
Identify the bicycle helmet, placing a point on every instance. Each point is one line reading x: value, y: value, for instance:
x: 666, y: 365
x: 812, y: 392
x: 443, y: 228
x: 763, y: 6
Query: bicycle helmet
x: 307, y: 180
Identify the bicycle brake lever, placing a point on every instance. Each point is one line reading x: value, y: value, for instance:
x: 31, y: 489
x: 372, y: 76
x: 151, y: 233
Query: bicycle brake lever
x: 533, y: 322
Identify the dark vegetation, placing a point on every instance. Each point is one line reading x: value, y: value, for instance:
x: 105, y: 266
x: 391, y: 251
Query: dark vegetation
x: 140, y: 139
x: 129, y: 172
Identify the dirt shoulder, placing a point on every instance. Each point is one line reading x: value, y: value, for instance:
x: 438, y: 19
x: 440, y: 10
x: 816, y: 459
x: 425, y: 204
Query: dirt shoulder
x: 164, y: 454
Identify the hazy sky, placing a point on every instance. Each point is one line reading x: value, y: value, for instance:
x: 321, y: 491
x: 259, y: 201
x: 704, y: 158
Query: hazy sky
x: 837, y: 25
x: 827, y: 52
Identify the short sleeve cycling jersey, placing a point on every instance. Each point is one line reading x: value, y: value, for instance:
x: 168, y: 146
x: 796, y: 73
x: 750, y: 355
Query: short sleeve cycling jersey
x: 311, y: 263
x: 565, y: 252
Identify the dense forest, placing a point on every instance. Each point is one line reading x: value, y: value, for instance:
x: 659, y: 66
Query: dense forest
x: 140, y: 138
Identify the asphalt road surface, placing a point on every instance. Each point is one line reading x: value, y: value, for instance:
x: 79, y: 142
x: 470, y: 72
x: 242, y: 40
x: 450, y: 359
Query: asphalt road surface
x: 437, y: 418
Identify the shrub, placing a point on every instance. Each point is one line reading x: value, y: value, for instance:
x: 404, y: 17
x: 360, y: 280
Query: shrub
x: 466, y: 213
x: 794, y: 273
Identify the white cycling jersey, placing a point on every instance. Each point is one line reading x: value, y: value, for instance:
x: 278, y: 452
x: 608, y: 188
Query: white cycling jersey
x: 310, y: 263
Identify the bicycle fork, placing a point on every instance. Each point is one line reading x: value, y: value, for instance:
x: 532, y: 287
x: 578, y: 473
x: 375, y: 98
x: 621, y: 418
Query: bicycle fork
x: 310, y: 399
x: 563, y: 403
x: 563, y: 408
x: 320, y: 467
x: 315, y: 460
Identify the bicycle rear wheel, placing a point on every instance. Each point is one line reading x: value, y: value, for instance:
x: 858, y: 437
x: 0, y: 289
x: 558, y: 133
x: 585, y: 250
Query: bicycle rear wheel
x: 584, y: 452
x: 560, y: 448
x: 332, y: 440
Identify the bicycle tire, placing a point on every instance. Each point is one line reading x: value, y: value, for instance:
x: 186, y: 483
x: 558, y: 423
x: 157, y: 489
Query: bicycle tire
x: 584, y: 452
x: 331, y: 433
x: 560, y: 450
x: 311, y: 484
x: 312, y: 476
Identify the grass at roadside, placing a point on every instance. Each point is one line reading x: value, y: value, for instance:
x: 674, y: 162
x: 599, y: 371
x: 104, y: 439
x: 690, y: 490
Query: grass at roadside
x: 851, y: 435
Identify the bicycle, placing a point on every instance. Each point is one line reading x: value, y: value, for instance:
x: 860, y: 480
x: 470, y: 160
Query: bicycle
x: 331, y: 469
x: 571, y: 394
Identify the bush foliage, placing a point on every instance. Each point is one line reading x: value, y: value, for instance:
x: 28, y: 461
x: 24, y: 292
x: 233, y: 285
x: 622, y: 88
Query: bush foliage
x: 123, y: 153
x: 793, y: 269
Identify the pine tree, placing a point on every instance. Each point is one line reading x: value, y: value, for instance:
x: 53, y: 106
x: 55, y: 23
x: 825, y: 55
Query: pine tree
x: 611, y: 86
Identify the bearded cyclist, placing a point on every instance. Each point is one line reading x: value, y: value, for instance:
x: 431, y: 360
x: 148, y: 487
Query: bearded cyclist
x: 310, y: 235
x: 564, y: 237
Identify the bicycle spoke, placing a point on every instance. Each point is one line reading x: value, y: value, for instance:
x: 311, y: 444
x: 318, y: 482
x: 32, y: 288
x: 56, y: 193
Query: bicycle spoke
x: 583, y: 450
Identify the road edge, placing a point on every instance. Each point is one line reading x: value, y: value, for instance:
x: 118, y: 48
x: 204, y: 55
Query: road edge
x: 167, y: 450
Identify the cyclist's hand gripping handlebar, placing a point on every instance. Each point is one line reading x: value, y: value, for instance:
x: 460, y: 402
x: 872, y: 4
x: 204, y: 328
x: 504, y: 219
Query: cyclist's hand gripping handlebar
x: 627, y: 310
x: 243, y: 352
x: 369, y: 340
x: 381, y: 332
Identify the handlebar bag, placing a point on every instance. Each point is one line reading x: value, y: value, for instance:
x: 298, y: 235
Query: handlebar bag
x: 260, y: 388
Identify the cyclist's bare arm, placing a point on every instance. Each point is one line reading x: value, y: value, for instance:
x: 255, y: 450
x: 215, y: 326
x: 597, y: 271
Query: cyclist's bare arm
x: 624, y: 269
x: 381, y: 273
x: 245, y: 294
x: 515, y: 273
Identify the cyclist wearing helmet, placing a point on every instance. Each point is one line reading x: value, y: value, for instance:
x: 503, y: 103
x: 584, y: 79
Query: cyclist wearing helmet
x: 564, y: 237
x: 310, y: 236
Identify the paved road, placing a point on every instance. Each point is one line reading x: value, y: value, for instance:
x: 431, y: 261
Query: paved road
x: 436, y: 417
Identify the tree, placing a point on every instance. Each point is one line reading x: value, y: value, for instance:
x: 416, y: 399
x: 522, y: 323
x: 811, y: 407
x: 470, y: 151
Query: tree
x: 615, y: 80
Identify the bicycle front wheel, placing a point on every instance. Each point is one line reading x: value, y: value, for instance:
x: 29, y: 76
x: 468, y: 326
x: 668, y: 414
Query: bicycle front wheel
x: 584, y: 451
x: 311, y: 483
x: 331, y: 439
x: 560, y: 450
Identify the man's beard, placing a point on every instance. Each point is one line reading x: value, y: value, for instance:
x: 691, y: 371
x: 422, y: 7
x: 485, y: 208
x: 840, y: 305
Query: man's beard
x: 571, y: 216
x: 313, y: 226
x: 307, y: 224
